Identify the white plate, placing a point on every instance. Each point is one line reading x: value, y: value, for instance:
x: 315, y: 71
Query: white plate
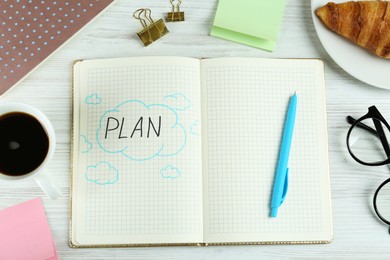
x: 355, y: 60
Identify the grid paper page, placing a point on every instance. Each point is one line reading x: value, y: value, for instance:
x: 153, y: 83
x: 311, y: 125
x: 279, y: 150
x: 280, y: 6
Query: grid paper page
x: 138, y: 181
x: 245, y: 104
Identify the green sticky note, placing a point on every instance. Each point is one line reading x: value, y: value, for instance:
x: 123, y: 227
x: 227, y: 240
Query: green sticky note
x: 252, y: 22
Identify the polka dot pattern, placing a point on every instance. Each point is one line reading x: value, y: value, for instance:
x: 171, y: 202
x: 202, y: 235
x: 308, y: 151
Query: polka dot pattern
x: 31, y: 30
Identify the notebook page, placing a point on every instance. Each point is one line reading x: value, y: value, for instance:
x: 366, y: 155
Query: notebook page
x: 137, y: 157
x: 244, y: 104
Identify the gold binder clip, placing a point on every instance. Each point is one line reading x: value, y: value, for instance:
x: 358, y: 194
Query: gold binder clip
x: 151, y: 31
x: 175, y: 16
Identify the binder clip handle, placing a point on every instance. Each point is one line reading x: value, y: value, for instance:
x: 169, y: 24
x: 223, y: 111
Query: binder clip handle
x: 137, y: 15
x: 177, y: 5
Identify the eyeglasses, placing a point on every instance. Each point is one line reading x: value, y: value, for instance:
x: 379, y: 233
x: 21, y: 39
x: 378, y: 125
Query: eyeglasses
x: 367, y: 143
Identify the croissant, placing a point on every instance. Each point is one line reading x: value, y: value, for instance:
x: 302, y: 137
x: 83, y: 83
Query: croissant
x: 366, y: 23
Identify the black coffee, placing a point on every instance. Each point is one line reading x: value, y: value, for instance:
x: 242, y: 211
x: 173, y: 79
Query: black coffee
x: 23, y: 144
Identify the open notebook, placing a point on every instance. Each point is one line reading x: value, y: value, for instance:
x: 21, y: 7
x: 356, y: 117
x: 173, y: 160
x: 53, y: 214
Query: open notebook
x: 175, y: 151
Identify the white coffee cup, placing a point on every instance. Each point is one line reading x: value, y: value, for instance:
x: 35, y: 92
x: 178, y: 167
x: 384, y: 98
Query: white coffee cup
x: 39, y: 173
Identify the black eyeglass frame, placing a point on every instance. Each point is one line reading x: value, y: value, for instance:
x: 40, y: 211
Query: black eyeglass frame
x: 375, y: 205
x: 377, y: 118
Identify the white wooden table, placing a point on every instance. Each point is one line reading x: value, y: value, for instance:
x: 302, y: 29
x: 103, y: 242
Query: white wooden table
x: 358, y: 234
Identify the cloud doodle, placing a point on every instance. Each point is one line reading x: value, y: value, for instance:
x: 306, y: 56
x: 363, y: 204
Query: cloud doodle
x: 102, y: 173
x: 93, y: 99
x: 141, y: 132
x: 177, y: 101
x: 170, y: 172
x: 86, y: 145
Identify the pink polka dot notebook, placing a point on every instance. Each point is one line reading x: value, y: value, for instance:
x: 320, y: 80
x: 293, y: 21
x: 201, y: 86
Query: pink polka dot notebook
x: 31, y: 30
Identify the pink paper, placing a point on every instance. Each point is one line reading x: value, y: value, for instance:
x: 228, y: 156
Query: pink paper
x: 25, y: 233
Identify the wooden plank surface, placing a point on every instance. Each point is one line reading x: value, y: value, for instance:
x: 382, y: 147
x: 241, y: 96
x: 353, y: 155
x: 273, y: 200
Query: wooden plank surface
x: 358, y: 234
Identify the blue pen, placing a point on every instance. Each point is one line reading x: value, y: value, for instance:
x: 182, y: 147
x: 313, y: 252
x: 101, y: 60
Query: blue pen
x: 281, y: 178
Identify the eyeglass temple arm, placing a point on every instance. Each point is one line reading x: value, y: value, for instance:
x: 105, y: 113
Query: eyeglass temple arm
x: 379, y: 132
x: 352, y: 120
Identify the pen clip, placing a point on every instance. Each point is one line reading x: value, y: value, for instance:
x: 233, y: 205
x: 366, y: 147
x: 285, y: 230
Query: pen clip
x: 285, y: 187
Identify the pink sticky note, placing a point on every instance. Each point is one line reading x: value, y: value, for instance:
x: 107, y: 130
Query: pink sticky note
x: 25, y: 233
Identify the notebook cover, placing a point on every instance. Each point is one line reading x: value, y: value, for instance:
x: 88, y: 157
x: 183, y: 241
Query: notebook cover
x: 30, y: 31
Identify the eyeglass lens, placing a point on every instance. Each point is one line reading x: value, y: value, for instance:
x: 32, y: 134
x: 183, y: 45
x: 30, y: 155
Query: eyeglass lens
x: 382, y: 201
x: 366, y: 145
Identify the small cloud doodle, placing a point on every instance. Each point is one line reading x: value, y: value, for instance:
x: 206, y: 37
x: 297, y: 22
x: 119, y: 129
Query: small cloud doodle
x: 102, y: 173
x: 93, y: 99
x: 170, y: 172
x: 177, y: 101
x: 86, y: 145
